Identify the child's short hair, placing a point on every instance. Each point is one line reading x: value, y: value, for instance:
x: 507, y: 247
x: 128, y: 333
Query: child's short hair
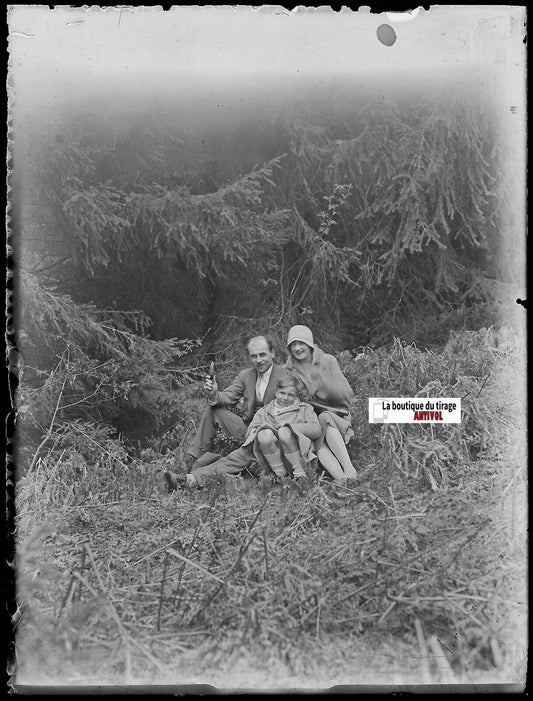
x: 291, y: 381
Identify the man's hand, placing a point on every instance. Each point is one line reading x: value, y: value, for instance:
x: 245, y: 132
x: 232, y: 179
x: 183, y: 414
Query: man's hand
x: 211, y: 388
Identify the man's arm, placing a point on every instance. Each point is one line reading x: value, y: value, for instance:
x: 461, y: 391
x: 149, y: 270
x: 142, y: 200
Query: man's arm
x: 231, y: 395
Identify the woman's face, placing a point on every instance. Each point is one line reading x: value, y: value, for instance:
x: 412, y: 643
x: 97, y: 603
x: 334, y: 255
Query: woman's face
x: 285, y: 396
x: 301, y: 351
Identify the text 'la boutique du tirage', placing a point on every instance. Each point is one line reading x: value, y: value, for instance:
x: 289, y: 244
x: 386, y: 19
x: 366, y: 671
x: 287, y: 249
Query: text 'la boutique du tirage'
x: 414, y: 410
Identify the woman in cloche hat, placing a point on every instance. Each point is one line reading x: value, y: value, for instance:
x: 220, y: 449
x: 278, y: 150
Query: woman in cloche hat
x: 329, y: 394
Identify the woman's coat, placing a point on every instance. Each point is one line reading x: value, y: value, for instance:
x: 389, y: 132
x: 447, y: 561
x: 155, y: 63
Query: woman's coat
x: 328, y: 388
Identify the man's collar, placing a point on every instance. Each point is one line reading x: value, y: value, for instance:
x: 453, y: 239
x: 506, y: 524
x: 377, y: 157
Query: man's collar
x: 266, y: 373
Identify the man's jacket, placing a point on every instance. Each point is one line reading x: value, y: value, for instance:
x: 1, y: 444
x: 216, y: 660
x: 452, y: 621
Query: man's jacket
x: 242, y: 390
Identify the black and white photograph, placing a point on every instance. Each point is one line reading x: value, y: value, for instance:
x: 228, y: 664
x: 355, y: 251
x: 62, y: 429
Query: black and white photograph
x: 266, y: 326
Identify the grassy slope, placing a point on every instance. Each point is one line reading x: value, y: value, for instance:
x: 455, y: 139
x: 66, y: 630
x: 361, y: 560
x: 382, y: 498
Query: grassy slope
x: 400, y: 579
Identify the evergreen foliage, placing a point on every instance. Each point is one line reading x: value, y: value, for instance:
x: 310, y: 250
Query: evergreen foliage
x: 102, y: 366
x: 361, y: 216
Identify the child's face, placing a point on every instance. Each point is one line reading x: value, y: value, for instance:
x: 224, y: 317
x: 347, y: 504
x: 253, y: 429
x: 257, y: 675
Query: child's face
x: 285, y: 396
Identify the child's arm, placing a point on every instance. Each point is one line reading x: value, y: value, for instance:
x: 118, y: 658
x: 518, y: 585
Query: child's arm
x: 310, y: 426
x: 260, y: 420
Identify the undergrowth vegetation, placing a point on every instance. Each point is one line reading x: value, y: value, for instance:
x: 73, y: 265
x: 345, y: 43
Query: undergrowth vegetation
x: 416, y: 573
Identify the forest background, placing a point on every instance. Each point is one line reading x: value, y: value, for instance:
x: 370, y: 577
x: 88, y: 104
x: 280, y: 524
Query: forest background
x: 158, y: 238
x: 152, y: 234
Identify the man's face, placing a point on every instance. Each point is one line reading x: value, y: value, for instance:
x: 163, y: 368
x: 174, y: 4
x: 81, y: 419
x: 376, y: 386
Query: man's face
x: 260, y: 355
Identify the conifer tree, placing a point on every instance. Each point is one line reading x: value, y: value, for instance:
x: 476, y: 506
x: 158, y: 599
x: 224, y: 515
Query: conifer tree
x: 139, y: 229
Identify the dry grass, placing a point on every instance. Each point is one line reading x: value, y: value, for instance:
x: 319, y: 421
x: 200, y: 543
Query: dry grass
x: 250, y: 584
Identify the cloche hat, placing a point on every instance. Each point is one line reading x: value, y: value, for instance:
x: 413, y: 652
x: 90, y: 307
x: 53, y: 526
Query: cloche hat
x: 301, y: 333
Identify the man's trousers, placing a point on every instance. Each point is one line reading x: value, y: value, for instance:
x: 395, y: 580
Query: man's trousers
x: 233, y: 464
x: 212, y: 417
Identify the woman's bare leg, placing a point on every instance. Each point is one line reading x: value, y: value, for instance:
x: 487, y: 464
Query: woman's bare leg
x: 337, y: 446
x: 330, y: 463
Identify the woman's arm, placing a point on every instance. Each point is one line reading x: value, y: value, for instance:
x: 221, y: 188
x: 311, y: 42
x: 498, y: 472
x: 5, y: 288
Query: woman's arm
x: 333, y: 389
x: 340, y: 379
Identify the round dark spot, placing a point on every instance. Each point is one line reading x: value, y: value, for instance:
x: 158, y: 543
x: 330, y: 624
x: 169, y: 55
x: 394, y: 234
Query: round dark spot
x: 386, y: 34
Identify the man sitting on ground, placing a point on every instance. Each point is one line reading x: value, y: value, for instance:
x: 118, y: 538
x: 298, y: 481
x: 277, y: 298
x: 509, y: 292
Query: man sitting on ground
x: 253, y: 387
x: 279, y: 437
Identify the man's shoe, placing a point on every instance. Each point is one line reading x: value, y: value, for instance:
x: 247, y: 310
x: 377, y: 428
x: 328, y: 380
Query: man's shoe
x: 174, y: 481
x: 189, y: 461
